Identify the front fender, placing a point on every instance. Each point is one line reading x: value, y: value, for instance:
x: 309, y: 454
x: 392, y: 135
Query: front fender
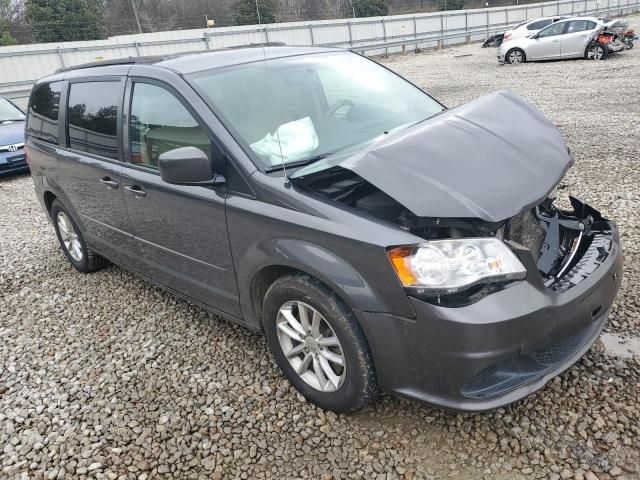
x: 315, y: 260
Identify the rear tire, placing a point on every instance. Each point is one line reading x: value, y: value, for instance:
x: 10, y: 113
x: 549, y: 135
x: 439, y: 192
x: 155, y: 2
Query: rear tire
x: 515, y: 56
x: 596, y: 51
x: 310, y: 346
x: 72, y: 242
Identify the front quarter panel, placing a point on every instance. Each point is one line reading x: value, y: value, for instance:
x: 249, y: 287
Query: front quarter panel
x: 346, y: 252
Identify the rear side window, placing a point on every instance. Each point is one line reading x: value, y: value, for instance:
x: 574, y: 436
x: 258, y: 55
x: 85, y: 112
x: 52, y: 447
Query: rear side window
x: 93, y: 117
x: 580, y: 26
x: 44, y: 109
x: 539, y: 25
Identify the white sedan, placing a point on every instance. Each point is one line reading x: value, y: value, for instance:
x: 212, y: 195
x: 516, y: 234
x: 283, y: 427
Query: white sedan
x: 569, y: 38
x: 529, y: 27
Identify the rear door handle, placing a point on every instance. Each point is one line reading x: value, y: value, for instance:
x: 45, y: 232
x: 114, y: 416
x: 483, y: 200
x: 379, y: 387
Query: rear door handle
x: 136, y: 190
x: 107, y: 182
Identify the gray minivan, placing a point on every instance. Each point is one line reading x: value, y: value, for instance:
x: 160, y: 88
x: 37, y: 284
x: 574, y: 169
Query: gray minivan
x: 379, y: 240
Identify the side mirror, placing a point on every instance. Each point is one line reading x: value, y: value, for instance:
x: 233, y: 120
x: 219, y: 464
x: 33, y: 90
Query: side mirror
x: 188, y: 166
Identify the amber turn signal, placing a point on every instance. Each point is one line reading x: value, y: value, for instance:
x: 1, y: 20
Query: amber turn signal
x: 399, y: 258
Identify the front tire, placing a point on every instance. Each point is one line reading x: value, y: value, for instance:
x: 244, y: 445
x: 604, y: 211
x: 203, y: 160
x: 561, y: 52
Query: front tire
x: 318, y: 344
x: 515, y: 56
x: 72, y: 242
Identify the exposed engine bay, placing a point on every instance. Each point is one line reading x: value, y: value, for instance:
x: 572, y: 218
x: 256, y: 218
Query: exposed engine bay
x: 556, y: 239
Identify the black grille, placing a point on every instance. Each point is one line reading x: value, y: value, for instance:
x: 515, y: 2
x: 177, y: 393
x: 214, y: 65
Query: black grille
x: 591, y: 259
x: 555, y: 354
x: 525, y: 230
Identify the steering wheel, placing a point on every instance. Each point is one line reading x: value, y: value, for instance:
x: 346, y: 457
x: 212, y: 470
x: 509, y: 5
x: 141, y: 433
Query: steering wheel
x: 338, y: 105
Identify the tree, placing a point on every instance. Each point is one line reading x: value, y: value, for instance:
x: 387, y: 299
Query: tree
x: 370, y: 8
x: 6, y: 39
x: 246, y: 12
x: 65, y: 20
x: 6, y: 17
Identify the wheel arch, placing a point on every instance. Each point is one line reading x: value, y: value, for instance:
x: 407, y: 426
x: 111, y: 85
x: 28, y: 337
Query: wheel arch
x: 49, y: 197
x: 284, y: 256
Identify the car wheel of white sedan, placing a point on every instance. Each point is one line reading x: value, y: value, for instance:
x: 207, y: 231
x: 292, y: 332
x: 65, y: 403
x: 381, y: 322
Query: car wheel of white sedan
x: 515, y: 56
x: 597, y: 52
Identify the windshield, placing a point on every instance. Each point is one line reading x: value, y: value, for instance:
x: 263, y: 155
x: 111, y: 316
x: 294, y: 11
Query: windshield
x: 300, y: 109
x: 9, y: 112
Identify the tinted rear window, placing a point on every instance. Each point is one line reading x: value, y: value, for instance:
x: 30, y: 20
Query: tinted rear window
x: 93, y: 117
x: 44, y: 109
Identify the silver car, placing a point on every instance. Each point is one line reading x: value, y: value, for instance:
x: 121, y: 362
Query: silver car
x: 529, y: 27
x: 569, y: 38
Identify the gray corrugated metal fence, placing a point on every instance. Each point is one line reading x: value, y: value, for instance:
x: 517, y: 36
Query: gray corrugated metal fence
x: 21, y: 65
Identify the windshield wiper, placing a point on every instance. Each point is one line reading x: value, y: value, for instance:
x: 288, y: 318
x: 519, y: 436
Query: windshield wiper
x: 12, y: 120
x: 298, y: 163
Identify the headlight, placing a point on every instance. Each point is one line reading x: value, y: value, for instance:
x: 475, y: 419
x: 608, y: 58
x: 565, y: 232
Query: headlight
x: 449, y: 266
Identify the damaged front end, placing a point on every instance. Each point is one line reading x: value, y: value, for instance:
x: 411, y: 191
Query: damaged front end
x: 468, y: 182
x: 564, y: 246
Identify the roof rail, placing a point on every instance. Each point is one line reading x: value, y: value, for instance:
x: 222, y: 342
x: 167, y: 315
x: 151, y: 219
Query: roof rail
x: 159, y: 58
x: 117, y: 61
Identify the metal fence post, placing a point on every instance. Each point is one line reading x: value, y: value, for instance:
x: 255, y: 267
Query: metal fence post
x: 441, y: 30
x: 415, y: 30
x: 205, y: 38
x: 487, y: 22
x: 313, y: 42
x: 350, y: 34
x: 384, y: 35
x: 61, y: 58
x: 466, y: 26
x: 266, y: 35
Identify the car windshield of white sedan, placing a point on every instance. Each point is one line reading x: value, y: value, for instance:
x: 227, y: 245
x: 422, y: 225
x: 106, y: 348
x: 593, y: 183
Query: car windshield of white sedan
x: 300, y: 109
x: 9, y: 113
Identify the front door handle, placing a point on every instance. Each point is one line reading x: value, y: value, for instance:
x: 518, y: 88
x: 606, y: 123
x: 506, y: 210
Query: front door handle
x: 556, y: 41
x: 136, y: 190
x: 107, y: 182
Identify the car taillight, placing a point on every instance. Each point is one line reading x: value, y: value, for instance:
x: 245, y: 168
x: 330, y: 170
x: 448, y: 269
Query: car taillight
x: 506, y: 36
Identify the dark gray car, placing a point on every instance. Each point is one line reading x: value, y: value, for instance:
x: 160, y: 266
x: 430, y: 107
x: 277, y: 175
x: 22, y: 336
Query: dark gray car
x: 380, y: 241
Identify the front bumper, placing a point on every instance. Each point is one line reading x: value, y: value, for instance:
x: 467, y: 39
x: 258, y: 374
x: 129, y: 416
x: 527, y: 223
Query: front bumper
x: 11, y: 163
x: 501, y: 348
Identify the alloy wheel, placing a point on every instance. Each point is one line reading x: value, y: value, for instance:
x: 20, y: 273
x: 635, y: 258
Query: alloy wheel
x: 515, y: 56
x: 69, y: 237
x: 311, y: 346
x: 596, y: 52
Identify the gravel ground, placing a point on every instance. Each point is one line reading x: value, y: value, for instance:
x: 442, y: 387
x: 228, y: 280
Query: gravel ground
x: 105, y: 376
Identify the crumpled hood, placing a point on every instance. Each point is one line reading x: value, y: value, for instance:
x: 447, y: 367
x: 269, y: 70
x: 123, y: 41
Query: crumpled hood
x: 491, y: 159
x: 11, y: 133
